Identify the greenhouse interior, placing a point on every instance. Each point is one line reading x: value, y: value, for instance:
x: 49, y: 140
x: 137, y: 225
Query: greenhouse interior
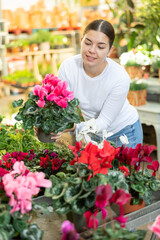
x: 92, y: 173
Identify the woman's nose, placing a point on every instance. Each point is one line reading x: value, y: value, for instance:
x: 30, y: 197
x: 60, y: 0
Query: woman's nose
x: 92, y: 48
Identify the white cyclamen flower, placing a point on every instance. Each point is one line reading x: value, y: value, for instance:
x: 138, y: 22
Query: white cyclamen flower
x: 106, y: 134
x: 124, y: 139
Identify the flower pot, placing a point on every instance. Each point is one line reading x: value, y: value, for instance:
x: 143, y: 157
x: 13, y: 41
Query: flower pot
x: 137, y: 98
x: 128, y: 207
x: 78, y: 220
x: 135, y: 72
x: 33, y: 47
x: 43, y: 137
x: 44, y: 46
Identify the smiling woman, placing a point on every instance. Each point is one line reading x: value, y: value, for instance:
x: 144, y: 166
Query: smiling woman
x: 101, y: 86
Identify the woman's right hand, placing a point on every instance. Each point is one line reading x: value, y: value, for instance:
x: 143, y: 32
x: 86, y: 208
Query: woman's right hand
x: 59, y: 134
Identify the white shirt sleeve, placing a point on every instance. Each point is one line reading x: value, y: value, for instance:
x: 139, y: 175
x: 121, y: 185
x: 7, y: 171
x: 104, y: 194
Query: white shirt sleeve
x: 112, y: 106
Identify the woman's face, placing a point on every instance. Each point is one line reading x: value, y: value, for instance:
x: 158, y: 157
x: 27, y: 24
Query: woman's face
x: 94, y: 48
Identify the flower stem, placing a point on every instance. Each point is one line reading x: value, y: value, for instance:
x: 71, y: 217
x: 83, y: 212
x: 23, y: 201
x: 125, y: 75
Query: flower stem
x: 111, y: 217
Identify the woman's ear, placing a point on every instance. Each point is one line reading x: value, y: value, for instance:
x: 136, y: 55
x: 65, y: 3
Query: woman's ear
x: 110, y: 51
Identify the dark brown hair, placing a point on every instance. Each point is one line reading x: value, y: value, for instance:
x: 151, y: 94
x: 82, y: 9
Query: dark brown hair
x: 103, y: 26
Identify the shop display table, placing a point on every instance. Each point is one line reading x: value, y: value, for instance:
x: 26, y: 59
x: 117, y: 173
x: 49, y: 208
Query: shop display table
x: 150, y: 115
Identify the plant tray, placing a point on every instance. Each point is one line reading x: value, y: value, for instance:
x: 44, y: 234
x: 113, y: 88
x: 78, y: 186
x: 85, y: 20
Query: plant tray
x: 137, y: 98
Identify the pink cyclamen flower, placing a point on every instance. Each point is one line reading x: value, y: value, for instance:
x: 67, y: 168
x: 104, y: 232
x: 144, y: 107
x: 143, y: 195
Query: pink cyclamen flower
x: 40, y: 91
x: 68, y: 231
x: 154, y: 166
x: 20, y: 185
x: 156, y: 226
x: 19, y: 168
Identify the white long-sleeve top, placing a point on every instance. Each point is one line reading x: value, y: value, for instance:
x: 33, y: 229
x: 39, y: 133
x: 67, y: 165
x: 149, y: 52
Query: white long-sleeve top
x: 103, y: 97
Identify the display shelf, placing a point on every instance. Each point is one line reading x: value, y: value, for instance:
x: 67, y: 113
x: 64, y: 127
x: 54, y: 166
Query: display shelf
x: 73, y: 34
x: 34, y: 57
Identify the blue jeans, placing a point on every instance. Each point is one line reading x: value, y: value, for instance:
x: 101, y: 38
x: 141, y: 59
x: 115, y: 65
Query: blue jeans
x: 133, y: 132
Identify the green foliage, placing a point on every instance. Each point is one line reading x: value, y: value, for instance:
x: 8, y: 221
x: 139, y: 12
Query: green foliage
x: 136, y: 86
x: 127, y: 26
x: 51, y: 118
x: 23, y: 76
x: 16, y: 225
x: 71, y: 190
x: 108, y: 233
x: 59, y: 41
x: 155, y: 61
x: 39, y: 37
x: 14, y: 138
x: 141, y: 185
x: 148, y: 14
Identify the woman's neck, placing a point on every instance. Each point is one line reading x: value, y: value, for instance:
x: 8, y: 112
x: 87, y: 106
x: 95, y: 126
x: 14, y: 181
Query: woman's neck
x: 94, y: 71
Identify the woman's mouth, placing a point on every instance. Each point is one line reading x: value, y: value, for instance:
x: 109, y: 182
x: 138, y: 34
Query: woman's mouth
x: 89, y: 58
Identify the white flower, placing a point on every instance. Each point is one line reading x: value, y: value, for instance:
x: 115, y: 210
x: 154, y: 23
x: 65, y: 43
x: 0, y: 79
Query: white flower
x: 124, y: 139
x: 138, y: 58
x: 85, y: 128
x: 106, y: 134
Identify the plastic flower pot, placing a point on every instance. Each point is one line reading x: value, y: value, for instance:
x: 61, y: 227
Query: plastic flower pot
x: 43, y: 137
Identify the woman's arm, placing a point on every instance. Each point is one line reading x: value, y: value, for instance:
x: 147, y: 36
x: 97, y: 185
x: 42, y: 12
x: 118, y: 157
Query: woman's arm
x: 113, y: 105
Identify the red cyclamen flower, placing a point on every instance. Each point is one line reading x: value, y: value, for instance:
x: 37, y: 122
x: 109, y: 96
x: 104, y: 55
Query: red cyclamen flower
x: 154, y: 166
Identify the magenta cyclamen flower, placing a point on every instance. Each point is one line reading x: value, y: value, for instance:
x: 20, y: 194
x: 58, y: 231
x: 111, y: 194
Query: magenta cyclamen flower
x: 53, y: 89
x: 91, y: 220
x: 103, y: 195
x: 154, y: 166
x: 68, y: 231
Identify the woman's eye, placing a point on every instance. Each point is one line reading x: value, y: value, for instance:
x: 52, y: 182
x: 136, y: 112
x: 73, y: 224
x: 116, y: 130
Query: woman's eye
x: 87, y: 43
x: 100, y: 47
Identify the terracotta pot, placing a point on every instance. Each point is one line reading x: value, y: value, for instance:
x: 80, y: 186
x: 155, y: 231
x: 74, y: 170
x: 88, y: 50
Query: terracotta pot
x: 43, y: 137
x: 128, y: 207
x: 33, y: 47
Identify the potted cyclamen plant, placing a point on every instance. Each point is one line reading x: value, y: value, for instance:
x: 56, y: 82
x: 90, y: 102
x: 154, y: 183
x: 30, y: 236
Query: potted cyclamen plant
x: 73, y: 188
x: 133, y: 163
x: 50, y: 108
x: 112, y: 227
x: 16, y: 204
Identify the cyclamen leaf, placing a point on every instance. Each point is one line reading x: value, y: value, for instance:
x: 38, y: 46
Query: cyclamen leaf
x: 4, y: 235
x: 153, y: 186
x: 79, y: 207
x: 17, y: 103
x: 138, y: 188
x: 32, y: 233
x: 4, y: 218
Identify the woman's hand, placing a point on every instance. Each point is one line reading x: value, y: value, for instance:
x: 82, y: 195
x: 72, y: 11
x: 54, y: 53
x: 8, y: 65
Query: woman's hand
x: 59, y: 134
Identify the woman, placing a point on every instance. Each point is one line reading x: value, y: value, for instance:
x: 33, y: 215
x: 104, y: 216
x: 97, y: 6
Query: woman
x: 101, y: 85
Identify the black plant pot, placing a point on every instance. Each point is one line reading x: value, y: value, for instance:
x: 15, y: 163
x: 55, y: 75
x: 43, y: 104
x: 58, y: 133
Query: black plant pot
x: 43, y: 137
